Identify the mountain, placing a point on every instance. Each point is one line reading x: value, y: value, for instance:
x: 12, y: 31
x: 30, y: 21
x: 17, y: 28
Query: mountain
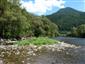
x: 67, y: 18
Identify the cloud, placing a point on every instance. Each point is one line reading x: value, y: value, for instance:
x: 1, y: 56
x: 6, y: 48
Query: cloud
x: 40, y: 7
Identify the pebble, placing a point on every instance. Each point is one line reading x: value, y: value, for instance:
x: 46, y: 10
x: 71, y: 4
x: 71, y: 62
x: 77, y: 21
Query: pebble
x: 32, y: 49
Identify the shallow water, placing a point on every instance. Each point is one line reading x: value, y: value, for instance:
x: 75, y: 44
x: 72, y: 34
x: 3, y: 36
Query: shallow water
x: 29, y: 55
x: 71, y: 40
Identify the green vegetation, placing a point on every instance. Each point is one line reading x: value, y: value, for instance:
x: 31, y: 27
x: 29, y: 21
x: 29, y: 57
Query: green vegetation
x: 73, y: 32
x: 16, y: 22
x: 78, y: 31
x: 37, y: 41
x: 81, y: 30
x: 67, y: 18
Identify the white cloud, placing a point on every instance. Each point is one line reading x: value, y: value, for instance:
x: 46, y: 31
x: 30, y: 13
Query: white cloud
x: 41, y: 6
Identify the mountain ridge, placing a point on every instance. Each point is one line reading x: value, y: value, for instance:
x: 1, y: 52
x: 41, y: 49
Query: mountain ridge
x: 67, y: 17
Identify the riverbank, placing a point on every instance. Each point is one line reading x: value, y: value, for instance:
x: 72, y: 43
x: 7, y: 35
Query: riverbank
x: 14, y: 54
x: 44, y: 41
x: 55, y: 52
x: 27, y: 41
x: 60, y: 45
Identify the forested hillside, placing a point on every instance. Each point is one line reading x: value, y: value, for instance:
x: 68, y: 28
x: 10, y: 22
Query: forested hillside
x: 67, y: 18
x: 17, y: 22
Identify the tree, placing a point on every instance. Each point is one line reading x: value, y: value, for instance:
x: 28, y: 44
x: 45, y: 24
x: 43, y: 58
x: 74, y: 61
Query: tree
x: 15, y: 2
x: 78, y: 31
x: 3, y: 6
x: 81, y: 30
x: 74, y: 32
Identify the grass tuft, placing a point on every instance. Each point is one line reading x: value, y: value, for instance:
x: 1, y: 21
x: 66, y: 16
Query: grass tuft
x: 37, y: 41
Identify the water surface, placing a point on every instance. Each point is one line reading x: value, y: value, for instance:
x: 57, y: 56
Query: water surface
x: 71, y: 40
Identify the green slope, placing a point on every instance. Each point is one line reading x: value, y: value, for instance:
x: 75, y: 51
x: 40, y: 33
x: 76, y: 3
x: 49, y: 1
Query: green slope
x: 67, y: 18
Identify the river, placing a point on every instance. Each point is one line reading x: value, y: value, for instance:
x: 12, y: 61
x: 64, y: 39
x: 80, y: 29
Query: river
x: 72, y: 40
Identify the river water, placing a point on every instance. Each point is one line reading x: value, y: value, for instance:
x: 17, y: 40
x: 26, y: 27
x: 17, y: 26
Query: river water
x: 71, y: 40
x: 54, y: 54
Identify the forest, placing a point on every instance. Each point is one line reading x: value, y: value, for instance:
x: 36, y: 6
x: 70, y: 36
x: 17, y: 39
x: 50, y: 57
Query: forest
x: 16, y: 22
x: 70, y: 21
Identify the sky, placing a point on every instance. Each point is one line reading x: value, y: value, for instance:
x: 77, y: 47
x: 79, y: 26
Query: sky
x: 47, y: 7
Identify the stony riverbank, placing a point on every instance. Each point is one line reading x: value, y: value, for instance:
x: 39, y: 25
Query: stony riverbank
x: 13, y: 54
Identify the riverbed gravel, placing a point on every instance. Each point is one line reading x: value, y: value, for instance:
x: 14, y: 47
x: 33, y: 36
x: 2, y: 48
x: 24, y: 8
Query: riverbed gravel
x: 45, y: 54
